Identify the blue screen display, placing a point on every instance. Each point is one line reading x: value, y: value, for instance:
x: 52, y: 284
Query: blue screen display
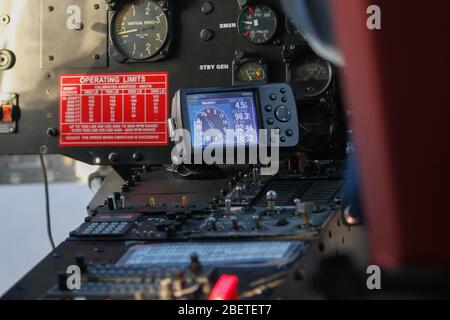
x: 226, y: 113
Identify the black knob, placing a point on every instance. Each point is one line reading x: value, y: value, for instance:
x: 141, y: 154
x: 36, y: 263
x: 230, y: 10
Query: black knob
x: 239, y: 54
x: 138, y: 157
x: 207, y: 7
x: 206, y: 34
x: 52, y: 132
x: 113, y: 157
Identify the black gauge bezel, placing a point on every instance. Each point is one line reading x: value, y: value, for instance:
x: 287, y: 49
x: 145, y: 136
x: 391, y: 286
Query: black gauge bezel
x: 238, y: 64
x: 299, y: 61
x: 277, y: 23
x: 119, y: 55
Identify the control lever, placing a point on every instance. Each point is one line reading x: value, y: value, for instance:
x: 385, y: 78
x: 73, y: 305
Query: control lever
x: 122, y: 201
x: 238, y: 192
x: 304, y: 209
x: 228, y: 211
x: 112, y: 203
x: 271, y: 196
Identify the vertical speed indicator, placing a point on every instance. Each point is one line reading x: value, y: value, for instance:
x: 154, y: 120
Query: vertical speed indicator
x: 140, y: 29
x: 258, y: 24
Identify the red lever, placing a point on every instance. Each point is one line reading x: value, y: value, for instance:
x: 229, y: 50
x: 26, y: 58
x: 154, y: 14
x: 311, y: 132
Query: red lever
x: 226, y: 288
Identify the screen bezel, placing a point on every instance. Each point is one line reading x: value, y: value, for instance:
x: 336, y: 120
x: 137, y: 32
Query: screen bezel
x: 185, y: 112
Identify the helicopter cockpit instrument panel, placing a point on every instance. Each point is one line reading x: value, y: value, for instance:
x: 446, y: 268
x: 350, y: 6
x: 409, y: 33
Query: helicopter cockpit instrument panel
x: 93, y: 79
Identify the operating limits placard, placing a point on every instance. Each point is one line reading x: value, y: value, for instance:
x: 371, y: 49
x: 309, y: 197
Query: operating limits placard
x: 116, y: 109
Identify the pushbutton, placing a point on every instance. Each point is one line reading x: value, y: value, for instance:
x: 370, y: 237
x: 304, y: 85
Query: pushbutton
x: 283, y: 114
x: 268, y: 108
x: 273, y: 96
x: 289, y: 133
x: 270, y: 121
x: 283, y: 90
x: 284, y: 99
x: 283, y: 139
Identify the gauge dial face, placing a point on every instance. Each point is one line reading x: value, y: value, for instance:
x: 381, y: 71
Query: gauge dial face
x: 251, y: 72
x: 315, y: 129
x: 311, y: 77
x: 140, y: 29
x: 258, y: 24
x: 210, y: 118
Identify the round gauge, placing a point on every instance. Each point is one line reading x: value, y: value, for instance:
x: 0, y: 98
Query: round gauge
x: 140, y: 29
x: 209, y: 118
x: 258, y: 23
x: 251, y: 72
x: 311, y: 77
x: 294, y: 32
x: 315, y: 132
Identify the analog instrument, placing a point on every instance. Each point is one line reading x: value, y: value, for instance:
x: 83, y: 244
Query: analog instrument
x: 316, y: 129
x: 258, y: 24
x: 140, y: 29
x: 310, y: 77
x: 251, y: 72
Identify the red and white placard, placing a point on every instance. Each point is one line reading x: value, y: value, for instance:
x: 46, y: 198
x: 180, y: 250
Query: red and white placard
x: 115, y: 109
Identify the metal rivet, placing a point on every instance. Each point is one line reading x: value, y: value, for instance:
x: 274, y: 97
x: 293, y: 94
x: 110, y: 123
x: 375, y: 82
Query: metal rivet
x: 4, y: 19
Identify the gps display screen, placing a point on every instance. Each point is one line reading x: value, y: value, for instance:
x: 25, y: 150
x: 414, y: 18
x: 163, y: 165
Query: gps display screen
x: 223, y: 119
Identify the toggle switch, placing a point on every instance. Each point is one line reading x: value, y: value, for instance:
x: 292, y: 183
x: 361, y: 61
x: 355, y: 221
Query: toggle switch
x: 304, y: 209
x: 112, y: 203
x: 184, y: 201
x: 228, y: 211
x: 271, y: 196
x: 238, y: 193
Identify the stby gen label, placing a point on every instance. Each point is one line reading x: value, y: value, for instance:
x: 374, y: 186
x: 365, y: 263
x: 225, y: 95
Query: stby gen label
x: 116, y: 109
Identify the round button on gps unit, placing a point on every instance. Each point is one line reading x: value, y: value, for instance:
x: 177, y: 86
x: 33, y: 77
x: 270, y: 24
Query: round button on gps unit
x: 283, y: 114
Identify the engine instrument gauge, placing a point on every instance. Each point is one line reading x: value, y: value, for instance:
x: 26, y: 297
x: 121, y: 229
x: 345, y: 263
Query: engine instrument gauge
x: 252, y: 72
x: 316, y: 127
x: 258, y: 24
x: 310, y: 77
x: 140, y: 29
